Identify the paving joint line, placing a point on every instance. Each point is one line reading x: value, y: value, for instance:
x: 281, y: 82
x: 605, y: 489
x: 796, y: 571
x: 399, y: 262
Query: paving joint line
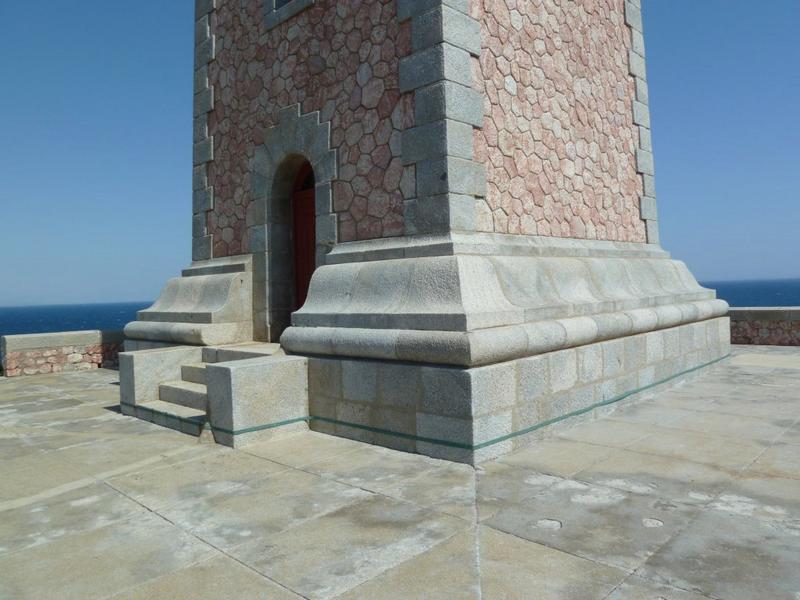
x: 204, y: 542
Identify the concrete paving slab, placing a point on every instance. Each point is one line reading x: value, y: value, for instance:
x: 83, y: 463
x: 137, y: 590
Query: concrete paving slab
x: 748, y: 359
x: 636, y: 588
x: 262, y: 508
x: 675, y: 479
x: 123, y: 453
x: 717, y: 450
x: 791, y: 435
x: 733, y: 556
x: 218, y: 577
x: 499, y: 485
x: 751, y: 428
x: 651, y: 412
x: 781, y: 460
x: 445, y: 486
x: 33, y: 474
x: 603, y: 524
x: 607, y: 432
x: 329, y: 556
x: 449, y: 570
x: 83, y: 509
x: 220, y: 471
x: 559, y: 457
x: 303, y: 448
x: 514, y: 568
x: 98, y: 563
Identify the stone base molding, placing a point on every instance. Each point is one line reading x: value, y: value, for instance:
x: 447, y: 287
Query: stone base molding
x: 475, y: 414
x: 476, y: 299
x: 37, y: 353
x: 769, y: 326
x: 212, y: 303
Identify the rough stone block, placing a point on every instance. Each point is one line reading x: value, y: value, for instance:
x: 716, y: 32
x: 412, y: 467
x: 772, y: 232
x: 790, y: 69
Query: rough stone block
x: 247, y: 395
x: 437, y: 139
x: 202, y: 200
x: 440, y: 214
x: 644, y: 162
x: 494, y: 388
x: 199, y: 177
x: 448, y: 100
x: 638, y: 42
x: 201, y: 248
x: 446, y: 391
x: 635, y: 352
x: 200, y: 79
x: 633, y: 16
x: 647, y: 208
x: 450, y: 174
x: 645, y: 139
x: 642, y: 93
x: 203, y: 101
x: 534, y: 378
x: 400, y: 385
x: 649, y: 185
x: 563, y: 369
x: 641, y: 114
x: 326, y: 229
x: 636, y: 65
x: 590, y: 363
x: 406, y: 9
x: 204, y: 52
x: 323, y: 199
x: 613, y: 358
x: 199, y: 228
x: 359, y: 380
x: 203, y: 152
x: 652, y: 232
x: 445, y: 24
x: 203, y: 7
x: 433, y: 64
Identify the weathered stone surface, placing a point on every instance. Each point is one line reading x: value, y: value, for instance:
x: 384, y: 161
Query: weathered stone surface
x: 162, y: 515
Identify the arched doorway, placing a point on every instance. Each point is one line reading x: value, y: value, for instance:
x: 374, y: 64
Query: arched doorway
x: 304, y: 239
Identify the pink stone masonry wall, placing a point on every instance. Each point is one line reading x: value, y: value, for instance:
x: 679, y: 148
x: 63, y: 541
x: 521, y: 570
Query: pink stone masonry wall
x: 65, y: 358
x: 558, y: 139
x: 339, y: 58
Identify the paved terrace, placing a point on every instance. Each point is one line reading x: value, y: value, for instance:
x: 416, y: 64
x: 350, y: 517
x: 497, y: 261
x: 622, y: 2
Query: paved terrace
x: 691, y: 494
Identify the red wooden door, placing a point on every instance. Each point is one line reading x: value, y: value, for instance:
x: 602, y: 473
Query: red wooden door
x: 304, y: 233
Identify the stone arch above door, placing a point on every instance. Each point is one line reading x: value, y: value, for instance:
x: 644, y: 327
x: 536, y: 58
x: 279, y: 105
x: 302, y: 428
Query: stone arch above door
x: 293, y: 140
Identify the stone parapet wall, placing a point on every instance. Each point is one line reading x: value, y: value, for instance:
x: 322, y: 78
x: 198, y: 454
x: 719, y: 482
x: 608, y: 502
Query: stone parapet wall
x: 768, y: 326
x: 39, y: 353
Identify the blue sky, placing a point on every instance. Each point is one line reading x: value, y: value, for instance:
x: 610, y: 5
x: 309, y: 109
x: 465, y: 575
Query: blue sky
x: 95, y: 164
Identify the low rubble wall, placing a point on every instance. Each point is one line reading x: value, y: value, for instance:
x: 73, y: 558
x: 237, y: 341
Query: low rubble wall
x: 768, y: 326
x: 37, y: 353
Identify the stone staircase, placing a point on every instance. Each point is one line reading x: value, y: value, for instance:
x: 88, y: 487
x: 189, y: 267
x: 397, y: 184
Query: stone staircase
x: 182, y: 403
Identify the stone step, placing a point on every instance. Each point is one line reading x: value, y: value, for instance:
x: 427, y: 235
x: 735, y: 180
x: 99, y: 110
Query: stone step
x: 177, y: 417
x: 194, y: 373
x: 184, y: 393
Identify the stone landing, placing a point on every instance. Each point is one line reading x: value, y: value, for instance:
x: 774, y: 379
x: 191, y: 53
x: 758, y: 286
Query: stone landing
x: 690, y: 495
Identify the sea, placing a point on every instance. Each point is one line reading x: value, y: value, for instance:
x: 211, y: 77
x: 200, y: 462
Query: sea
x: 75, y: 317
